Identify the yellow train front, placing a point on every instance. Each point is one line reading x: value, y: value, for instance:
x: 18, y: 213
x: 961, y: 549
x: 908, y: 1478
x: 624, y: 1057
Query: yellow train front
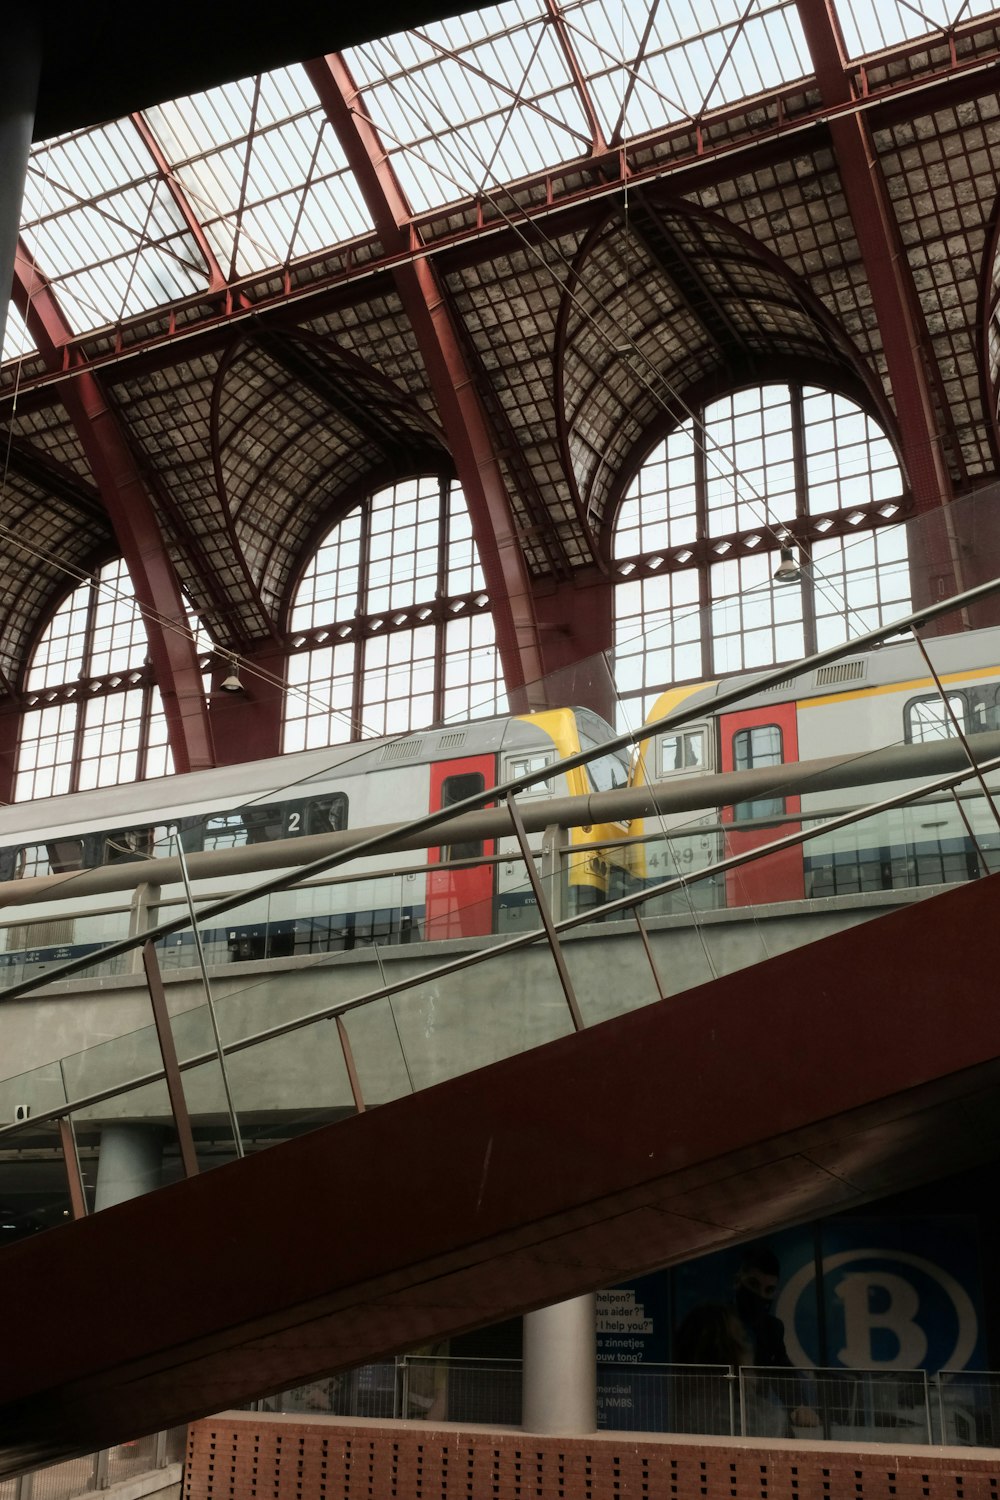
x: 592, y: 861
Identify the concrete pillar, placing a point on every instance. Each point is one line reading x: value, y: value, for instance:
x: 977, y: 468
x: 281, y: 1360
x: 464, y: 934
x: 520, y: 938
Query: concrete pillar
x: 129, y: 1163
x: 559, y: 1389
x: 20, y: 66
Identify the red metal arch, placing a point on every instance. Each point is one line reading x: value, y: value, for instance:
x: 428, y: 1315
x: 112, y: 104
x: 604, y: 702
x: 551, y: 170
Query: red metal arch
x: 127, y: 502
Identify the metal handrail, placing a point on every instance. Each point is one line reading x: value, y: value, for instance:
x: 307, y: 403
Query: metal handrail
x: 486, y: 953
x: 385, y: 840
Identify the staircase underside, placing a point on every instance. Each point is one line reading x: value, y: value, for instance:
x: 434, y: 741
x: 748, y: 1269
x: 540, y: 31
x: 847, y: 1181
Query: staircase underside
x: 824, y: 1077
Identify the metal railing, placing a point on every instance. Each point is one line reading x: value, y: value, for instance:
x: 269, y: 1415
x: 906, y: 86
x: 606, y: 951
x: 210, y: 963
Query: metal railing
x: 60, y: 1093
x: 93, y: 1473
x: 951, y: 1408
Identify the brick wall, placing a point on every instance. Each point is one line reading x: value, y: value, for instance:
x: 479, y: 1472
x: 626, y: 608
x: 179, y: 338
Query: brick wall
x: 237, y: 1456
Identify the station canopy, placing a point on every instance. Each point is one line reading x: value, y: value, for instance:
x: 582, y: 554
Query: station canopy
x: 626, y: 204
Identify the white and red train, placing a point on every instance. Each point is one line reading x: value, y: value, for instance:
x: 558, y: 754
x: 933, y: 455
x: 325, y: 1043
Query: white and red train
x: 865, y: 701
x: 871, y: 700
x: 388, y: 898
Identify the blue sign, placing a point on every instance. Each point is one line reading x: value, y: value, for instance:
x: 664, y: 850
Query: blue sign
x: 897, y: 1294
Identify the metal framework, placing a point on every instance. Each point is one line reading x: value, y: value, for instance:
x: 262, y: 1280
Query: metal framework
x: 522, y: 254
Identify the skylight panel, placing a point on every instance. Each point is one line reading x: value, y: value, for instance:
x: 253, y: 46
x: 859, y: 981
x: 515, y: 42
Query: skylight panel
x: 465, y: 104
x: 871, y: 25
x: 101, y: 224
x: 656, y: 64
x: 263, y: 171
x: 17, y: 340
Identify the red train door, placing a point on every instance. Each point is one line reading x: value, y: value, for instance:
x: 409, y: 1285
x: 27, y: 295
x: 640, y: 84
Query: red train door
x: 460, y: 901
x: 761, y: 737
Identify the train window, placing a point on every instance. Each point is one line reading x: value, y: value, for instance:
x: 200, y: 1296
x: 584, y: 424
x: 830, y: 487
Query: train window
x: 927, y: 718
x: 456, y: 789
x: 758, y: 746
x: 984, y: 710
x: 163, y: 841
x: 606, y: 772
x: 65, y: 854
x: 220, y: 831
x: 125, y: 845
x: 264, y: 822
x: 324, y: 815
x: 684, y: 751
x: 54, y: 858
x: 525, y: 765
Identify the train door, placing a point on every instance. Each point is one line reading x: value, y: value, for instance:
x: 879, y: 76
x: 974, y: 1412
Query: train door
x: 761, y: 737
x: 460, y: 900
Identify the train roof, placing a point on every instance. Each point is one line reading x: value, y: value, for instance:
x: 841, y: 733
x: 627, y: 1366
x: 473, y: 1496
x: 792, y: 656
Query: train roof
x: 895, y: 663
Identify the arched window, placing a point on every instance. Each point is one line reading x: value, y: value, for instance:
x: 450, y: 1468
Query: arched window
x: 390, y: 624
x: 94, y: 716
x: 696, y: 540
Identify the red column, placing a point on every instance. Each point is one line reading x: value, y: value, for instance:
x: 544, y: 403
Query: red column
x: 463, y: 418
x: 576, y: 623
x: 934, y: 555
x: 127, y: 502
x: 10, y: 734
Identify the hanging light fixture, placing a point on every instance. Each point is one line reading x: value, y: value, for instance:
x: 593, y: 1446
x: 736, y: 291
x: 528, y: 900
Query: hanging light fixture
x: 788, y: 569
x: 231, y: 682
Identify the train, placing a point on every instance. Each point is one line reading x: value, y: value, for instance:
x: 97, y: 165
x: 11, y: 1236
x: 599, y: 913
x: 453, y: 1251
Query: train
x: 878, y: 697
x: 384, y: 899
x: 873, y: 698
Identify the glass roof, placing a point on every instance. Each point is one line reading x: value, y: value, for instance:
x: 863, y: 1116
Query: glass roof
x: 131, y: 216
x: 262, y: 170
x: 870, y: 25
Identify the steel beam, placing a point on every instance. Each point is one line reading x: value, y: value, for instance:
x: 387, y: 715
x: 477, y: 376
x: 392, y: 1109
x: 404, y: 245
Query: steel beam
x: 557, y: 19
x: 462, y: 415
x: 53, y: 477
x: 126, y: 499
x: 909, y: 357
x: 216, y: 276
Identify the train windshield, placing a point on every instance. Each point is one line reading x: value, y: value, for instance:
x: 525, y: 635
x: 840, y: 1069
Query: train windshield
x: 606, y: 772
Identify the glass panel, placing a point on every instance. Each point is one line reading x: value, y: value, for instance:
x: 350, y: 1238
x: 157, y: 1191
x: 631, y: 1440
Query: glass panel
x: 965, y: 1405
x: 33, y: 1092
x: 455, y: 1022
x: 440, y: 1388
x: 608, y: 968
x: 378, y: 1055
x: 126, y: 1460
x: 289, y: 1084
x: 34, y: 1180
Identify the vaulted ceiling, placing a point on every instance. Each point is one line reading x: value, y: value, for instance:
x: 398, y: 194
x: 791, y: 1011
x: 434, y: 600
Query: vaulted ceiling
x: 519, y: 245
